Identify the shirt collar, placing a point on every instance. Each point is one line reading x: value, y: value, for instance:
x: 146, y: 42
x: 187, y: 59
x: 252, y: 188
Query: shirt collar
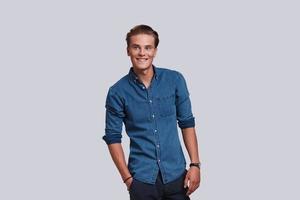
x: 133, y: 76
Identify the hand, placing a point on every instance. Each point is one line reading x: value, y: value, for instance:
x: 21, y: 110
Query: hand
x: 128, y: 183
x: 192, y: 180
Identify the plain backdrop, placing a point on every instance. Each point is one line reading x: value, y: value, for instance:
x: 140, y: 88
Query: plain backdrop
x: 58, y: 59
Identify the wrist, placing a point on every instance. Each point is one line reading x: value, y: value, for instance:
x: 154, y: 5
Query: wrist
x: 195, y: 164
x: 126, y: 179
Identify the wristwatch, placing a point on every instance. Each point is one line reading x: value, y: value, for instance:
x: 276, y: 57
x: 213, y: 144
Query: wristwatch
x: 195, y: 165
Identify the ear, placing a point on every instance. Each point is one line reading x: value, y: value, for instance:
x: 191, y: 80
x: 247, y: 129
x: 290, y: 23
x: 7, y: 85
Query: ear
x: 155, y: 50
x: 127, y: 49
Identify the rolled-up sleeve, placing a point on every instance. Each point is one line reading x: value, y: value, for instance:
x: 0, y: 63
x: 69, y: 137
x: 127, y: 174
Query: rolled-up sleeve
x: 184, y: 113
x: 113, y: 118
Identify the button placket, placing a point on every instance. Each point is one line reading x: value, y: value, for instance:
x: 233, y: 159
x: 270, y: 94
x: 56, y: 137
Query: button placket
x: 154, y: 121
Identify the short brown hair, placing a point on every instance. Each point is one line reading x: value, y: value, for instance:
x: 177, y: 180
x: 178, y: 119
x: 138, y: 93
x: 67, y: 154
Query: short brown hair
x: 142, y: 29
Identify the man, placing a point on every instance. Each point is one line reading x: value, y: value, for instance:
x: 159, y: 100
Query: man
x: 150, y: 101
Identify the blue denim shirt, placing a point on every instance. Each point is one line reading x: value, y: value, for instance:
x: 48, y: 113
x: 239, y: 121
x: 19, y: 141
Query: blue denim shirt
x: 150, y: 116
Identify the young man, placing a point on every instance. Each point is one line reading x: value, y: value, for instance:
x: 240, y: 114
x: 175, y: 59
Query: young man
x: 151, y: 101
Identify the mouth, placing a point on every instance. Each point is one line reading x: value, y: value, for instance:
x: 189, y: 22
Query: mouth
x: 142, y: 60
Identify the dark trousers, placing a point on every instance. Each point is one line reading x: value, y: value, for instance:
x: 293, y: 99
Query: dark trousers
x: 170, y: 191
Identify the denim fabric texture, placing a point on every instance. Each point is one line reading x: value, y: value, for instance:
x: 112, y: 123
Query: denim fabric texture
x: 150, y: 116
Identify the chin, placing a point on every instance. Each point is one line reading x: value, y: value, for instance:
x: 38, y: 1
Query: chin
x: 143, y: 67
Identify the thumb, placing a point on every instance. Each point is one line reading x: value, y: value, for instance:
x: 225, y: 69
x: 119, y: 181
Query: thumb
x: 186, y: 181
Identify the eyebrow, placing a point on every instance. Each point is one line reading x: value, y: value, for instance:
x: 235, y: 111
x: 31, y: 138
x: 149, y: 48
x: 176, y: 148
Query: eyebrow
x: 136, y: 45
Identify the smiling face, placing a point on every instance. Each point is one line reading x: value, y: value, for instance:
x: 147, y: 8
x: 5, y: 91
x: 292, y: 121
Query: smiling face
x: 141, y: 51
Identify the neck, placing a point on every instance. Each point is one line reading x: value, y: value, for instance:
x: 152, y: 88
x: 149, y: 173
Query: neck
x: 145, y: 76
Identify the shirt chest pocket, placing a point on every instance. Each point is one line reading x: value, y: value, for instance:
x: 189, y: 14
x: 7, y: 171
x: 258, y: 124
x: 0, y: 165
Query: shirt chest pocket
x: 166, y: 105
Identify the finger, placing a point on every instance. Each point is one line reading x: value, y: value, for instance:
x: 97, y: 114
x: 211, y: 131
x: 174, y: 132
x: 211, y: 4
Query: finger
x: 189, y: 192
x: 191, y: 188
x: 186, y: 181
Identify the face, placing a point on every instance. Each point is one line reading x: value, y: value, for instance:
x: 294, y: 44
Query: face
x: 141, y: 51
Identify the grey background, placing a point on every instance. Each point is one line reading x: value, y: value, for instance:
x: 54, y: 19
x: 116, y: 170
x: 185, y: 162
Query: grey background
x: 58, y: 58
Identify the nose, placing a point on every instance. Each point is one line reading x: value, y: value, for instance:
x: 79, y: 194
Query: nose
x: 142, y: 51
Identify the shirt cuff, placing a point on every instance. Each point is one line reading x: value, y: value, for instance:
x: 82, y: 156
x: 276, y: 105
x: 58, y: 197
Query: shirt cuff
x: 112, y: 138
x: 187, y: 123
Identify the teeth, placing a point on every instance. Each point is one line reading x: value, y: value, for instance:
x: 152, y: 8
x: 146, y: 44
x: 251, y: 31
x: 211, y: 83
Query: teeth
x: 142, y: 59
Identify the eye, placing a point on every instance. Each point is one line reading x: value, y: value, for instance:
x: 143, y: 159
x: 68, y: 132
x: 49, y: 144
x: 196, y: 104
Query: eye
x: 135, y: 47
x: 149, y: 48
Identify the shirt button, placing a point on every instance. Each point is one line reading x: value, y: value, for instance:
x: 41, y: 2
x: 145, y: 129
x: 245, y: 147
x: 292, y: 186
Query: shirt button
x: 153, y: 116
x: 150, y: 101
x: 158, y: 160
x: 155, y: 131
x: 143, y: 87
x: 157, y: 146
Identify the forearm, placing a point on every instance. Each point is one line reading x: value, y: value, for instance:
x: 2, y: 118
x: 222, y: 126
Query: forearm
x: 191, y: 144
x: 117, y: 154
x: 192, y: 178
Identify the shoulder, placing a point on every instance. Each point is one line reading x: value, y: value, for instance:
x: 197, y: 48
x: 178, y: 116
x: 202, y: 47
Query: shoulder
x: 169, y: 73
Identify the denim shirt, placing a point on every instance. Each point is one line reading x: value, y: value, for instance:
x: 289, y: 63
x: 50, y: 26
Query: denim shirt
x: 150, y: 116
